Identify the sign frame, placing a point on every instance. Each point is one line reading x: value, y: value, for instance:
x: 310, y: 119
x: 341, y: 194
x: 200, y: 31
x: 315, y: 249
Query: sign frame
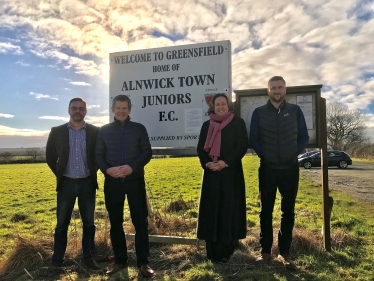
x: 170, y: 87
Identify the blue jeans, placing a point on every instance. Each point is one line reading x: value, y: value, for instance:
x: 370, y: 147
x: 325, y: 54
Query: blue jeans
x: 115, y: 191
x: 70, y: 189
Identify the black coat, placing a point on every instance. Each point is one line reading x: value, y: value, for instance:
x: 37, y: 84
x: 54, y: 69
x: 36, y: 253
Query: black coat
x: 57, y: 151
x: 222, y: 210
x: 123, y: 144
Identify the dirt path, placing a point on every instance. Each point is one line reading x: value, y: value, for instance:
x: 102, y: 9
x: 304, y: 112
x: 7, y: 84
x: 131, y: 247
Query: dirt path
x: 357, y: 180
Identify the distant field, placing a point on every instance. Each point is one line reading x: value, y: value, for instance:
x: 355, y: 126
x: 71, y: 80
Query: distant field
x: 28, y: 208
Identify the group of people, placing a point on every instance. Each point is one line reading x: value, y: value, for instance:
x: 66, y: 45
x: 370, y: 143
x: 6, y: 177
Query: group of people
x: 121, y: 149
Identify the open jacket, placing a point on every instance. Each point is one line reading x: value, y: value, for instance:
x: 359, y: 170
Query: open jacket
x: 57, y: 151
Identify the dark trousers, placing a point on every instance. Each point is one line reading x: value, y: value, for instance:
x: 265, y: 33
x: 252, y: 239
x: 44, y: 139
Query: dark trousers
x: 287, y: 181
x: 85, y: 191
x: 115, y: 194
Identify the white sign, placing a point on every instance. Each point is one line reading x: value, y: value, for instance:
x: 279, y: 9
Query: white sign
x: 306, y: 105
x: 170, y: 88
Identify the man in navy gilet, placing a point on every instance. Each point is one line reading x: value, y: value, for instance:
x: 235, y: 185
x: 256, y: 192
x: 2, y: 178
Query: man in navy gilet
x: 278, y: 133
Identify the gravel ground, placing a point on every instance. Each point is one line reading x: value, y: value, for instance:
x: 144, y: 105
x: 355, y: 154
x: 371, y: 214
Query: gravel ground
x: 357, y: 180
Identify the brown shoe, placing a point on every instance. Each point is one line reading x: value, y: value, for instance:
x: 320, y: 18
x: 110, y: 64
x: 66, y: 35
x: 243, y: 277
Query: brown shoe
x: 116, y: 267
x: 263, y: 258
x: 146, y: 271
x: 287, y: 263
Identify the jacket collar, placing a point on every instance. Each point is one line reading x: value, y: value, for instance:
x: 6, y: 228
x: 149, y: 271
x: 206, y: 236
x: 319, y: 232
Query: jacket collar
x: 118, y: 123
x: 281, y: 107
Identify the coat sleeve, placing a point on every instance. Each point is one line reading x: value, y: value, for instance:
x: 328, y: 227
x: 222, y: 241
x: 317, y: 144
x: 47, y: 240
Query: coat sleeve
x: 100, y: 154
x: 241, y: 138
x: 302, y: 132
x: 203, y: 155
x: 145, y: 154
x: 254, y: 134
x: 51, y: 153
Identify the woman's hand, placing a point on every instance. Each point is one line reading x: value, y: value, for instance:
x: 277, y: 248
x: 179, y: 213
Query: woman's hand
x: 216, y: 166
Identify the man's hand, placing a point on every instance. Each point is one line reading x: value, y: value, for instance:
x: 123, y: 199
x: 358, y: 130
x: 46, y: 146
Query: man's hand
x: 119, y: 171
x: 126, y: 170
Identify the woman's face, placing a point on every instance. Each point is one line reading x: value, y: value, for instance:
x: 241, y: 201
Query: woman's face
x: 220, y: 106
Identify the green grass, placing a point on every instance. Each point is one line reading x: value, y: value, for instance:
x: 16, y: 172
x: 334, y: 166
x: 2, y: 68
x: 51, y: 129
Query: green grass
x: 28, y: 207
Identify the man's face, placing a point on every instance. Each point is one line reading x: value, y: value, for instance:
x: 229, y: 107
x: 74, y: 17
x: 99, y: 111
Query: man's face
x: 77, y: 111
x: 121, y: 110
x: 277, y: 91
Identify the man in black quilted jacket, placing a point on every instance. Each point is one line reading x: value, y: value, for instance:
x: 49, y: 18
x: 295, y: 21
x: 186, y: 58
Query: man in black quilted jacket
x: 122, y: 151
x: 278, y: 133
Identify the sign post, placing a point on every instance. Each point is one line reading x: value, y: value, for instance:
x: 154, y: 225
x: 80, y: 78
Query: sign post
x: 326, y: 204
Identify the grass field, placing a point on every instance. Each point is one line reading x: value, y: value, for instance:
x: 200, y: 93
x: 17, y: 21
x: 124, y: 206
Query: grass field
x: 28, y: 208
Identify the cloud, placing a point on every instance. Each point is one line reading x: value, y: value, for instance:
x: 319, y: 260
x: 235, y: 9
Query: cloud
x: 307, y: 42
x: 59, y: 118
x: 22, y: 63
x: 65, y: 79
x: 80, y: 66
x: 80, y: 83
x: 370, y: 117
x: 39, y: 96
x: 8, y: 48
x: 9, y: 131
x: 97, y: 120
x: 4, y: 115
x: 93, y: 106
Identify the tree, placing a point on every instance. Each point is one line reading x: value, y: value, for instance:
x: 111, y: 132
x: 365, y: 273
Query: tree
x: 345, y: 127
x: 6, y: 156
x: 34, y: 152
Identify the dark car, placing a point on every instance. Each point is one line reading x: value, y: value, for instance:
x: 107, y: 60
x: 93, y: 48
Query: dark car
x: 334, y: 158
x: 307, y: 154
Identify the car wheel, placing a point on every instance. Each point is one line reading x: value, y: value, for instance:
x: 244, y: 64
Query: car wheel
x: 343, y: 164
x: 307, y: 165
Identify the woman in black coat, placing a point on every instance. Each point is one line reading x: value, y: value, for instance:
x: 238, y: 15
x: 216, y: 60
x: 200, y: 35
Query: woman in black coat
x: 222, y: 212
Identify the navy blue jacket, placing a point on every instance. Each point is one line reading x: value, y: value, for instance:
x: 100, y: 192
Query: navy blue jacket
x: 275, y: 131
x: 123, y: 144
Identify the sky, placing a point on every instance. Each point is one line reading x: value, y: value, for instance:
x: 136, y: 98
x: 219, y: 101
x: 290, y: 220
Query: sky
x: 52, y: 51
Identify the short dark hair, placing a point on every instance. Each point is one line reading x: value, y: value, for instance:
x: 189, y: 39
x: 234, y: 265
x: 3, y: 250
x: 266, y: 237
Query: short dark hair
x: 121, y: 98
x: 78, y: 99
x: 276, y: 78
x: 211, y: 105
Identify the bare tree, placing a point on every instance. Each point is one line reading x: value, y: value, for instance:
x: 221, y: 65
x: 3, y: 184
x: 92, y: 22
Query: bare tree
x: 345, y: 127
x: 34, y: 152
x: 6, y: 156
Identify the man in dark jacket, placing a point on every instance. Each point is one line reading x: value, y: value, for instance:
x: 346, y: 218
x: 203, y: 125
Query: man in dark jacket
x: 278, y: 133
x: 70, y: 154
x: 122, y: 151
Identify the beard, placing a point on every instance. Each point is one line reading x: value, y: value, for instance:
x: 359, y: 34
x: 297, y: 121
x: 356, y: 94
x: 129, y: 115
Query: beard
x: 279, y: 98
x: 77, y: 117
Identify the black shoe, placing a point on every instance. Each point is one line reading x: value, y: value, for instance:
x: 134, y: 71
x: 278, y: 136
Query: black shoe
x: 90, y: 263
